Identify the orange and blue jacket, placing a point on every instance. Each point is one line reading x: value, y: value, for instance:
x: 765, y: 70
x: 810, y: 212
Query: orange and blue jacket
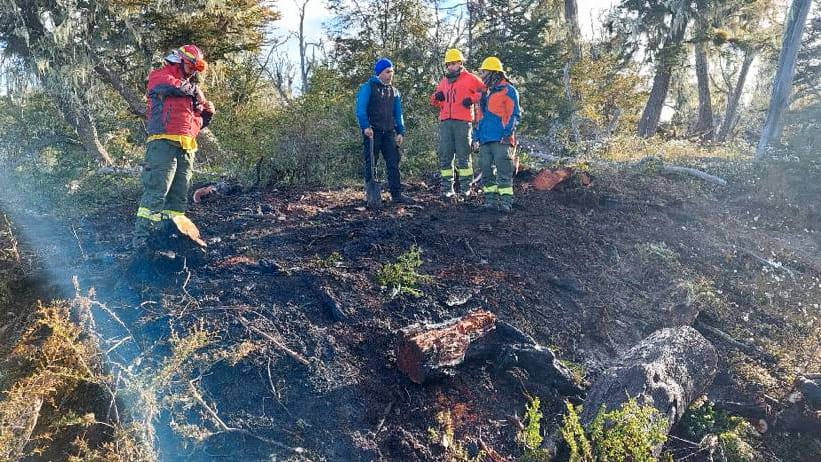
x: 497, y: 115
x: 466, y: 85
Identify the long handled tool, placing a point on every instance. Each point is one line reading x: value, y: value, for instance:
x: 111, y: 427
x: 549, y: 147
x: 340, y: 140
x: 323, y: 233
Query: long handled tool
x: 373, y: 190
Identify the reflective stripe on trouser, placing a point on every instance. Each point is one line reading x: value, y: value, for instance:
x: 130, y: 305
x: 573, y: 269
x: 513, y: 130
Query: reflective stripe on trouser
x: 166, y: 178
x: 454, y: 152
x: 497, y: 181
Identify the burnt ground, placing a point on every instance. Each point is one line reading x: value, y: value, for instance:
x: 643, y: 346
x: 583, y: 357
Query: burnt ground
x: 586, y: 271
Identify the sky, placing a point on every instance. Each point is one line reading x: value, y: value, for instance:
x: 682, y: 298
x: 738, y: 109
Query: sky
x: 589, y: 10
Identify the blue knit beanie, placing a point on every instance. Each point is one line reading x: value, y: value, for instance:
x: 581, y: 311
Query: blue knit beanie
x: 381, y: 65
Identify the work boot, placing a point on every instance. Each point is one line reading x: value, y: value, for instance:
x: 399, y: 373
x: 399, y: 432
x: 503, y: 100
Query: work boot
x: 491, y: 202
x: 400, y: 198
x: 506, y: 206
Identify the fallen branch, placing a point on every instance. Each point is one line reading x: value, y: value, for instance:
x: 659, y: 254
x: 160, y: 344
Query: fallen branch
x: 749, y: 350
x: 772, y: 264
x: 653, y: 161
x: 667, y: 169
x: 293, y: 354
x: 384, y: 416
x: 226, y: 429
x: 491, y: 453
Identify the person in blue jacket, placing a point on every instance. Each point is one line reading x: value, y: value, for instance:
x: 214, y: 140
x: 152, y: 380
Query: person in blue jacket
x: 379, y: 111
x: 495, y: 132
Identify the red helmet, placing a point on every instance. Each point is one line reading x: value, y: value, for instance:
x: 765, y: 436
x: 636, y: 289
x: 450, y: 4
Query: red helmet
x: 193, y: 55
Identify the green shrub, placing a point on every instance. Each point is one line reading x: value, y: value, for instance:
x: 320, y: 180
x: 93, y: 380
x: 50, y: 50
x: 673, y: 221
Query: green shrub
x: 702, y: 420
x: 531, y: 435
x: 402, y: 276
x: 628, y: 433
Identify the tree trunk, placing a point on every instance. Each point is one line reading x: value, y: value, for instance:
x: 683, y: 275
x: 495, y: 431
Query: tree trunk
x: 782, y: 87
x: 424, y: 350
x: 303, y: 65
x: 667, y: 370
x: 732, y: 105
x: 704, y: 124
x: 135, y: 101
x: 209, y: 147
x: 661, y: 82
x: 83, y: 122
x: 571, y: 17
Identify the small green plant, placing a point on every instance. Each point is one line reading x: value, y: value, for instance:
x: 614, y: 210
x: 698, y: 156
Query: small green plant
x: 703, y: 420
x: 658, y: 252
x: 531, y: 434
x: 631, y: 432
x: 331, y: 261
x: 402, y: 276
x: 444, y: 436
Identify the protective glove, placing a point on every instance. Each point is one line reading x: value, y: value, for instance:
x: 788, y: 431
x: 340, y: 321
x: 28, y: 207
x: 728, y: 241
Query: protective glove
x: 467, y: 102
x: 439, y: 96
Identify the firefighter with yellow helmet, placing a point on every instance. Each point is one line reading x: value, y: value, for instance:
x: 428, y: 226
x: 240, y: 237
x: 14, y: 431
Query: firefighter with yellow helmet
x: 455, y: 95
x: 496, y: 119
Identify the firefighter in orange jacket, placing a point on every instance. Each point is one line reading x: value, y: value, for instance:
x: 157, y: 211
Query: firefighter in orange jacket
x: 455, y: 96
x: 177, y: 111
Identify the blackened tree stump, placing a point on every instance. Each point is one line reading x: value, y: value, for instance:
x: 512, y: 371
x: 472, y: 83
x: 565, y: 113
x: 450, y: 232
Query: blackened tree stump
x: 425, y: 351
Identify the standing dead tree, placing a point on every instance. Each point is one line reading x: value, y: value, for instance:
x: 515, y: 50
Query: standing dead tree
x: 782, y: 86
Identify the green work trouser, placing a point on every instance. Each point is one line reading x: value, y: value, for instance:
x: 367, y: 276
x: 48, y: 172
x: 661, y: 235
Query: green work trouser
x: 454, y: 154
x: 166, y: 177
x: 498, y: 184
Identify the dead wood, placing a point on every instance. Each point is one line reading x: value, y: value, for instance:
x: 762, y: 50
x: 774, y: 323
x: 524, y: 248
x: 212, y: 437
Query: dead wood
x: 673, y: 169
x: 810, y: 386
x: 746, y: 348
x: 331, y: 304
x: 650, y: 161
x: 21, y: 427
x: 667, y: 370
x: 428, y: 350
x: 293, y: 354
x: 425, y: 349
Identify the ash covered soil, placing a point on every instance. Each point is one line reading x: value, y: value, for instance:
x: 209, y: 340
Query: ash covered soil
x: 587, y: 271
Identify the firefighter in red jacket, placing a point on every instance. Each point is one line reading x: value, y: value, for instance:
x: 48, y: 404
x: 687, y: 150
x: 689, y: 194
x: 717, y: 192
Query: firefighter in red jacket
x: 177, y: 111
x: 455, y: 96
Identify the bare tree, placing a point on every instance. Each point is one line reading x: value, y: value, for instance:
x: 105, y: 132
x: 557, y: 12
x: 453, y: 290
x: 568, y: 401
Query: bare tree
x: 782, y: 87
x: 306, y: 63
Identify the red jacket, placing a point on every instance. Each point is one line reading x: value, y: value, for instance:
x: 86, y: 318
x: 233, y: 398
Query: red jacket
x: 173, y: 108
x: 466, y: 85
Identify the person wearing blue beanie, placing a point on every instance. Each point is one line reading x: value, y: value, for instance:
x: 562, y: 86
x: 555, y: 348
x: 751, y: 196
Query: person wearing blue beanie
x: 381, y: 65
x: 379, y: 112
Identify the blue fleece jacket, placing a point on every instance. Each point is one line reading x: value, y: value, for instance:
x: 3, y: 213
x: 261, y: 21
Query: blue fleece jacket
x: 364, y: 96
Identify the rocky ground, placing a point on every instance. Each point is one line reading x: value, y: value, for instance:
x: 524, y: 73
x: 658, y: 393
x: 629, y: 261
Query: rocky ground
x: 296, y: 335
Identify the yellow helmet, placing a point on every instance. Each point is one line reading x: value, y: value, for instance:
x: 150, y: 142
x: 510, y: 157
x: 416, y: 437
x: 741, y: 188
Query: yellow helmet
x: 453, y: 55
x: 491, y: 64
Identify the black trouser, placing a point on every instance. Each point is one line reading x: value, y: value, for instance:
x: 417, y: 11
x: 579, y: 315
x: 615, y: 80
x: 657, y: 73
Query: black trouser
x: 384, y: 142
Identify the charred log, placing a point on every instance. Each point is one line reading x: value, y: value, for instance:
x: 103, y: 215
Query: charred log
x: 429, y: 350
x: 667, y: 370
